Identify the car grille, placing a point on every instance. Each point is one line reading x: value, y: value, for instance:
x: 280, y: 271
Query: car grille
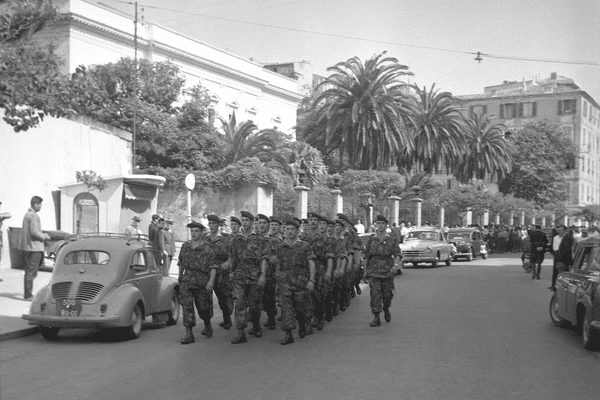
x: 415, y: 253
x: 61, y: 290
x: 87, y: 291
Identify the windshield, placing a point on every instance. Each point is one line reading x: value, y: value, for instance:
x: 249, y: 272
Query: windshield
x: 422, y: 235
x: 458, y: 236
x: 86, y: 257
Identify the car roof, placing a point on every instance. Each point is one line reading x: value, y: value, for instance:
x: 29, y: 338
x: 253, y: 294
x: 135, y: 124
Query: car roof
x: 463, y: 229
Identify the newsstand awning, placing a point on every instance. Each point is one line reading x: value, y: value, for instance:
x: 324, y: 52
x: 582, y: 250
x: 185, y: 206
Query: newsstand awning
x: 140, y: 193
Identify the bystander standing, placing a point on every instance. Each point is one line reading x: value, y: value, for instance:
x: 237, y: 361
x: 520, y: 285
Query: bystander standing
x: 32, y: 245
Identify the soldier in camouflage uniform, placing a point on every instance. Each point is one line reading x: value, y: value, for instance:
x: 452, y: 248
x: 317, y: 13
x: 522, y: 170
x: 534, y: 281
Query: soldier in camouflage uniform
x: 296, y: 277
x: 356, y: 269
x: 339, y: 273
x: 223, y: 289
x: 197, y: 271
x: 269, y: 298
x: 347, y: 283
x: 248, y: 261
x: 383, y: 260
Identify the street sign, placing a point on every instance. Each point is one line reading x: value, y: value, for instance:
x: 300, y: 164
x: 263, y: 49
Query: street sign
x: 190, y: 181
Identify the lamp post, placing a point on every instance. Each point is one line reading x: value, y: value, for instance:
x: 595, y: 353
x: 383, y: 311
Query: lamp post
x: 419, y: 201
x: 190, y: 183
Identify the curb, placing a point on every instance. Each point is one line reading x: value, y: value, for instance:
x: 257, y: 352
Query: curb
x: 19, y: 333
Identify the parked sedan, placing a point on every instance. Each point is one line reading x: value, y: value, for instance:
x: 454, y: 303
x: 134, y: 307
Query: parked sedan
x: 577, y: 297
x: 105, y: 281
x: 469, y: 243
x: 427, y: 245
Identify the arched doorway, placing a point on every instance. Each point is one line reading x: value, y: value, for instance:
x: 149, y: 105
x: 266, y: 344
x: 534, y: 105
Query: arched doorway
x: 85, y: 213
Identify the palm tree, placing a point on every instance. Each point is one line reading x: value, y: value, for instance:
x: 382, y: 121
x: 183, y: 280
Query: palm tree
x: 487, y: 151
x: 237, y: 135
x: 360, y: 113
x: 436, y: 127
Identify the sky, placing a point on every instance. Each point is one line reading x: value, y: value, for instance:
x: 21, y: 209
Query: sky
x: 432, y: 37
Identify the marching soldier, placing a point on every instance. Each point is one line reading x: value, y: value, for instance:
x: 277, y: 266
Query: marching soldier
x: 197, y: 271
x: 269, y: 297
x: 296, y: 277
x: 383, y: 260
x: 348, y: 275
x: 339, y: 274
x: 249, y: 266
x: 223, y: 288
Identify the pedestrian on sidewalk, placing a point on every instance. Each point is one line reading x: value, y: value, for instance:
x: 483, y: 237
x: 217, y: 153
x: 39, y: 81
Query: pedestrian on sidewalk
x: 32, y: 245
x: 3, y: 216
x: 539, y: 240
x: 562, y: 246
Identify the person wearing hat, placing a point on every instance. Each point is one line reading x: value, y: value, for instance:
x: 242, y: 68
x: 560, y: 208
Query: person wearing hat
x: 197, y: 272
x: 303, y: 225
x: 153, y: 230
x: 3, y: 216
x: 275, y: 228
x: 340, y: 273
x: 331, y: 277
x: 235, y: 224
x: 248, y: 262
x: 269, y: 296
x: 133, y: 228
x: 383, y: 258
x: 167, y: 242
x: 539, y: 241
x: 223, y: 287
x: 296, y: 278
x: 348, y: 277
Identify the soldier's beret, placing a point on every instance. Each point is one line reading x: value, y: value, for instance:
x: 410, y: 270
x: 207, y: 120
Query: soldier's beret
x: 344, y: 218
x: 136, y: 218
x: 339, y: 221
x: 297, y: 220
x: 304, y: 221
x: 276, y: 219
x: 313, y: 215
x: 155, y: 216
x: 381, y: 218
x: 223, y: 222
x: 263, y: 217
x: 169, y: 221
x: 213, y: 218
x: 235, y: 220
x: 195, y: 224
x: 246, y: 214
x: 328, y: 220
x: 292, y: 222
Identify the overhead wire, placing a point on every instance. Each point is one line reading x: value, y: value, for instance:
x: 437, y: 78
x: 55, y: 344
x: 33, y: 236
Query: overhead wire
x: 340, y: 36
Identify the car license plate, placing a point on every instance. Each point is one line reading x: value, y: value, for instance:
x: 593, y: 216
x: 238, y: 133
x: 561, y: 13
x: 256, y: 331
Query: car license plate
x: 69, y: 307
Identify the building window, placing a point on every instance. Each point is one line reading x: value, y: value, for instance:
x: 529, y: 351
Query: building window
x: 583, y: 164
x: 508, y: 110
x: 585, y: 110
x: 528, y: 109
x: 480, y: 110
x: 567, y: 107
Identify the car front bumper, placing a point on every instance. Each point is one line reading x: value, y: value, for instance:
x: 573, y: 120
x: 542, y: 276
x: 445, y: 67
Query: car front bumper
x: 70, y: 322
x: 419, y: 259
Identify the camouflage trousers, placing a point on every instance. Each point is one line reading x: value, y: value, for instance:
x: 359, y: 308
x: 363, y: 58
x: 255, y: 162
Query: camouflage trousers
x: 382, y: 291
x: 319, y: 298
x: 296, y: 305
x: 269, y: 298
x: 191, y: 294
x: 248, y: 303
x: 224, y: 292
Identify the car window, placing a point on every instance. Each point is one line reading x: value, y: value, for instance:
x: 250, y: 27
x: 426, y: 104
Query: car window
x: 87, y: 257
x: 139, y: 263
x: 585, y: 258
x: 458, y: 236
x: 593, y: 261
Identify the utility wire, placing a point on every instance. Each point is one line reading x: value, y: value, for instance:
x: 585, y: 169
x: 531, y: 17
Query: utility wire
x: 478, y: 54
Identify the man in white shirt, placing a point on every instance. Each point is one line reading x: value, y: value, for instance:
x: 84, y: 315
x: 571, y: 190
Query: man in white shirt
x: 133, y: 228
x: 360, y: 228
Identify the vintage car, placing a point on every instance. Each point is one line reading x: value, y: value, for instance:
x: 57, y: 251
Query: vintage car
x: 576, y: 300
x: 427, y: 245
x: 364, y: 237
x: 469, y: 243
x: 104, y: 281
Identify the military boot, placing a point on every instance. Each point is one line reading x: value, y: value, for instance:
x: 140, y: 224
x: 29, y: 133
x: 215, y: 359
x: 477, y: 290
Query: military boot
x: 255, y: 330
x: 358, y: 291
x: 271, y: 324
x: 226, y: 324
x: 240, y: 338
x: 376, y: 321
x: 301, y: 329
x: 208, y: 331
x: 289, y: 338
x: 189, y: 336
x: 386, y: 314
x: 537, y: 274
x: 320, y: 324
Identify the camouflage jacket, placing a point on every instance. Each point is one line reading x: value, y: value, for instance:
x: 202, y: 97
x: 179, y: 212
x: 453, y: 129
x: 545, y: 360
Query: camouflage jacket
x: 294, y: 268
x: 380, y: 254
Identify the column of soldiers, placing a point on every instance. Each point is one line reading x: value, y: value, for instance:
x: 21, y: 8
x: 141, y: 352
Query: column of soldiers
x: 311, y: 274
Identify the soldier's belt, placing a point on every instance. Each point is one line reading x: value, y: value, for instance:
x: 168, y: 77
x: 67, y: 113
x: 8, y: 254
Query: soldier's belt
x: 383, y: 258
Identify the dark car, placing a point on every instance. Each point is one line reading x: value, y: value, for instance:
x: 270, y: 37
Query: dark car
x: 105, y: 281
x: 577, y: 297
x: 469, y: 243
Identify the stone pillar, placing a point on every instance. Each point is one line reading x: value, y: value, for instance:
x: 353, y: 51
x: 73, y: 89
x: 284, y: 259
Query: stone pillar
x: 553, y: 222
x: 442, y: 216
x: 469, y: 217
x: 264, y: 199
x: 497, y: 220
x: 566, y: 220
x: 338, y: 201
x: 302, y: 201
x: 486, y: 217
x: 543, y: 221
x: 419, y: 204
x: 396, y: 208
x: 511, y: 218
x: 522, y: 218
x: 533, y: 221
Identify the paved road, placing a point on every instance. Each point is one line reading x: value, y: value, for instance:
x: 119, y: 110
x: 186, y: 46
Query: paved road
x: 476, y: 330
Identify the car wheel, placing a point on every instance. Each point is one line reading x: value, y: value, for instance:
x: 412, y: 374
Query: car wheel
x: 589, y: 336
x: 175, y: 308
x: 484, y: 255
x: 135, y: 328
x: 436, y: 262
x: 557, y: 320
x: 415, y: 264
x: 470, y: 256
x: 449, y: 260
x: 50, y: 334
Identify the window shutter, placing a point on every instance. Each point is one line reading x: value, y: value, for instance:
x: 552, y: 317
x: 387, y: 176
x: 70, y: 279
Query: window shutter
x: 485, y: 109
x: 501, y: 110
x: 559, y: 107
x: 520, y: 110
x: 534, y: 109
